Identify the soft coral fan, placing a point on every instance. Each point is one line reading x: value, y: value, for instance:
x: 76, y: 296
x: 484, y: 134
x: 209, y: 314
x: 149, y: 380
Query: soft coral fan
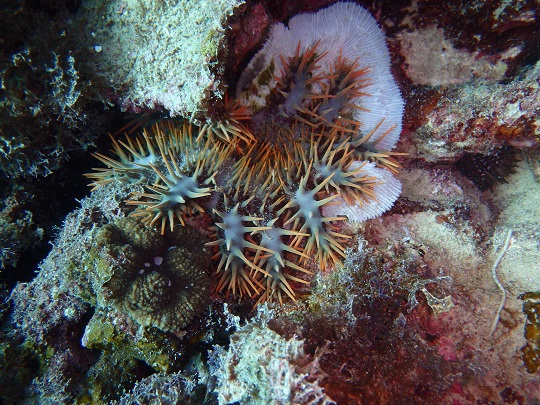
x: 316, y: 112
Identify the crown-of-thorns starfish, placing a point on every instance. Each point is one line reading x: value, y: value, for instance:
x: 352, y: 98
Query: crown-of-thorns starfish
x: 285, y: 152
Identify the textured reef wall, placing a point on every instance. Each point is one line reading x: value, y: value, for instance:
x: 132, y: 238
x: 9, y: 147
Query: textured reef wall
x: 153, y: 56
x: 341, y: 219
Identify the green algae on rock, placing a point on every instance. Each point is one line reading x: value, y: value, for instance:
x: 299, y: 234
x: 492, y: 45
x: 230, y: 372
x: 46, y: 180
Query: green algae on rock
x: 111, y: 333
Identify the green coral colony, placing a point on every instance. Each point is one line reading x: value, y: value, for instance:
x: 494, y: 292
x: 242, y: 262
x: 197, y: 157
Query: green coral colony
x: 158, y: 281
x: 264, y: 174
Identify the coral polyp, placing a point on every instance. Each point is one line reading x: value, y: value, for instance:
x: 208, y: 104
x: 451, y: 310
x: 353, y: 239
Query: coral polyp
x: 292, y: 146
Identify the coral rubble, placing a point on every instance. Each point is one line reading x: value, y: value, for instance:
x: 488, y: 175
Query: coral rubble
x: 479, y: 117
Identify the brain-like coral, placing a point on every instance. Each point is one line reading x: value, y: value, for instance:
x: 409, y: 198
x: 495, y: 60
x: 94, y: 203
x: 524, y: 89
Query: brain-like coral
x: 306, y: 140
x: 160, y: 282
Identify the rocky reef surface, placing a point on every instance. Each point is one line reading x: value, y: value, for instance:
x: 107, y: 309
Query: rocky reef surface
x: 435, y: 301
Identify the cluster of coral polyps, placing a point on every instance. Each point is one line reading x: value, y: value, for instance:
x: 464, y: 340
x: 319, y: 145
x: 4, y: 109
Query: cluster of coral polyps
x: 307, y: 139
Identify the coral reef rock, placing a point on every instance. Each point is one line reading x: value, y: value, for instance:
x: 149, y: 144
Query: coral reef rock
x: 261, y: 367
x: 156, y: 55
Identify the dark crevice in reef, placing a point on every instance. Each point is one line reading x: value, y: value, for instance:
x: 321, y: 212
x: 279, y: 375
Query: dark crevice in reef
x: 46, y: 201
x: 54, y: 7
